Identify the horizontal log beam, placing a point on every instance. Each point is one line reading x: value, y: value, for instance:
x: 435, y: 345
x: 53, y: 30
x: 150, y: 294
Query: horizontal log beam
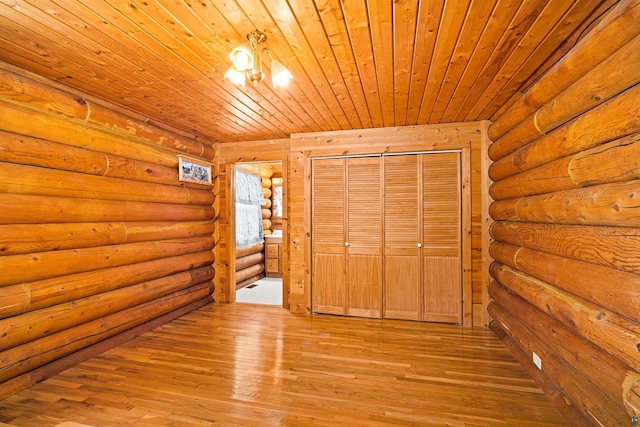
x: 617, y: 335
x: 248, y: 250
x: 37, y: 324
x: 621, y: 114
x: 24, y: 381
x: 613, y: 247
x: 147, y: 231
x: 29, y: 209
x: 614, y: 378
x: 43, y: 98
x: 29, y: 267
x: 31, y: 180
x: 35, y: 295
x: 607, y: 204
x: 588, y: 281
x: 612, y: 32
x: 25, y: 121
x: 29, y: 238
x: 611, y: 77
x: 613, y: 162
x: 249, y: 260
x: 26, y: 357
x: 262, y: 170
x: 250, y: 280
x: 598, y: 408
x: 21, y: 149
x: 566, y: 408
x: 248, y: 272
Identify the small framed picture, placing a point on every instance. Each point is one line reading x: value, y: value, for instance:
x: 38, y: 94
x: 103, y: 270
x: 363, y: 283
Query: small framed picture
x: 194, y: 170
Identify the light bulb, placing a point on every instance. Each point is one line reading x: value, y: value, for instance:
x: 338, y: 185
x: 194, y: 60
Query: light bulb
x: 280, y: 76
x: 242, y: 57
x: 235, y: 76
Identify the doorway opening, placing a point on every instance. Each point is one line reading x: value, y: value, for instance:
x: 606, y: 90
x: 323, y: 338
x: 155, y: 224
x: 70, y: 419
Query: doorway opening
x: 260, y: 203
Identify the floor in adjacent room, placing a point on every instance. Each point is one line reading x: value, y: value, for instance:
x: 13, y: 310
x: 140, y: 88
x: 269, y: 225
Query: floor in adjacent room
x: 259, y: 365
x: 267, y: 291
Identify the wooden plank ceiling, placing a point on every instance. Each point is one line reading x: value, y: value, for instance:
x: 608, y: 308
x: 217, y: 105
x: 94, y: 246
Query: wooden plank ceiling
x: 356, y: 63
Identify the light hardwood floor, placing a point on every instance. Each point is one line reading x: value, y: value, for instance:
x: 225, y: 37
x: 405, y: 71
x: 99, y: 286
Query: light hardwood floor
x: 251, y: 365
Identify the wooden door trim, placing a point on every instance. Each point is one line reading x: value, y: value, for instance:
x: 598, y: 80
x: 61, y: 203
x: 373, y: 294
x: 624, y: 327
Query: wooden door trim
x: 420, y: 183
x: 466, y: 264
x: 231, y: 228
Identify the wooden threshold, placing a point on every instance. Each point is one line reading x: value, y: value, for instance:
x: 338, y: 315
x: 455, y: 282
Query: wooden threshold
x: 253, y: 365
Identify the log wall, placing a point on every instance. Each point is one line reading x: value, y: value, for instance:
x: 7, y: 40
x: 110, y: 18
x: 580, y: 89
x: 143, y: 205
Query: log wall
x: 566, y: 275
x: 99, y: 241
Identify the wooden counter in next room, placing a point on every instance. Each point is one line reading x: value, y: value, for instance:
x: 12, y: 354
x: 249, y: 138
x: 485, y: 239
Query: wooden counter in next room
x: 273, y: 251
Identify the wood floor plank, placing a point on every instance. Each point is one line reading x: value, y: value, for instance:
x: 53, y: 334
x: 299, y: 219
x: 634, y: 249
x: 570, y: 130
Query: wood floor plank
x: 251, y: 365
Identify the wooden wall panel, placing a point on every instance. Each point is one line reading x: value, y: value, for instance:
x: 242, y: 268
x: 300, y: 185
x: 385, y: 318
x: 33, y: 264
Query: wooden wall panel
x: 466, y: 136
x: 98, y: 237
x: 297, y: 152
x: 567, y: 228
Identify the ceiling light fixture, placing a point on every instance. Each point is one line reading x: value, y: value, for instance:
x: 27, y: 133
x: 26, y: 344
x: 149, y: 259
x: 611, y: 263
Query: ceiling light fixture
x: 247, y: 63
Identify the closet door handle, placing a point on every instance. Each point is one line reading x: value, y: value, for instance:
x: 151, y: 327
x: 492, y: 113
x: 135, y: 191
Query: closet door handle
x: 419, y: 245
x: 346, y: 244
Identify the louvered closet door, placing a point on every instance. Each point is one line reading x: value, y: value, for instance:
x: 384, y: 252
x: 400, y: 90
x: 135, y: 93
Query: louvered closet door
x: 441, y: 251
x: 328, y: 288
x: 364, y: 237
x: 402, y: 237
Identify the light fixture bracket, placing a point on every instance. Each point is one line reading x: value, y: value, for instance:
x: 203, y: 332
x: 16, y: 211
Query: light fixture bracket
x: 256, y: 37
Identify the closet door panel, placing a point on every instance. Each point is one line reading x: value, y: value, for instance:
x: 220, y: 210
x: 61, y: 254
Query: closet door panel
x: 402, y: 289
x: 441, y: 216
x: 328, y: 290
x: 364, y: 237
x: 328, y: 189
x: 443, y: 300
x: 365, y: 290
x: 402, y: 286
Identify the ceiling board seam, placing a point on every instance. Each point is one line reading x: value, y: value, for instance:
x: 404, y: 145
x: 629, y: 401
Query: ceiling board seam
x: 375, y: 123
x: 343, y: 72
x: 323, y: 69
x: 316, y: 64
x: 459, y: 42
x: 503, y: 41
x: 433, y: 53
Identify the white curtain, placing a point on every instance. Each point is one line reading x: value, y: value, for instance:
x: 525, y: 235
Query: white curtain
x: 249, y: 198
x: 277, y: 201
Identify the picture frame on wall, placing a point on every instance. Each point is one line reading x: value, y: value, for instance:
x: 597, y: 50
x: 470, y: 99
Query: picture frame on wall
x: 194, y: 170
